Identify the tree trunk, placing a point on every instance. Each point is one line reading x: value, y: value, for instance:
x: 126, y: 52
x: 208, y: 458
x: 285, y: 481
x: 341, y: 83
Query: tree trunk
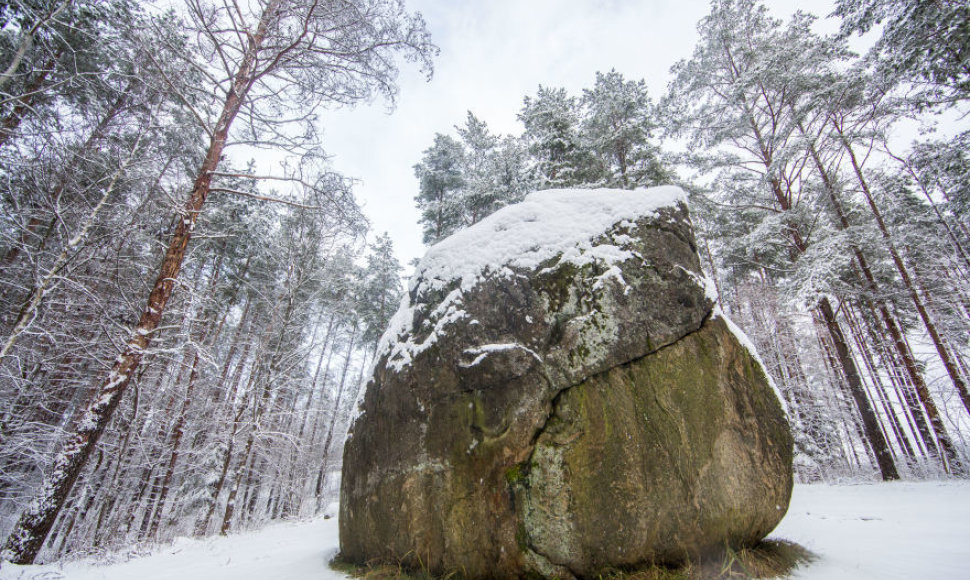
x: 322, y: 476
x: 261, y: 404
x: 178, y: 430
x: 859, y: 336
x: 951, y: 368
x: 28, y: 535
x: 870, y: 423
x: 902, y: 348
x: 291, y: 502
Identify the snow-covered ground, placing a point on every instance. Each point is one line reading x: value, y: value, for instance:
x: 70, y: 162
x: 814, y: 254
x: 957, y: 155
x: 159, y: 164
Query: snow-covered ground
x: 890, y: 530
x: 885, y: 531
x: 285, y: 551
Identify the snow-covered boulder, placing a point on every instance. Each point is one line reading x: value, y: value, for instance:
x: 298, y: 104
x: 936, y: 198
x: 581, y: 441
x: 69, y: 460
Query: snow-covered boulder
x: 558, y: 396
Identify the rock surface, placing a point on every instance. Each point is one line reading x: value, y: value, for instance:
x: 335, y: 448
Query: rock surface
x: 558, y: 397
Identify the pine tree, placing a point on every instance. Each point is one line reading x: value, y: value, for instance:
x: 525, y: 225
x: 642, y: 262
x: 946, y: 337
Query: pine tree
x: 924, y: 42
x: 281, y: 44
x: 941, y: 172
x: 853, y: 116
x: 481, y: 194
x: 54, y: 52
x: 733, y: 97
x: 618, y: 124
x: 381, y: 291
x: 440, y: 191
x: 551, y: 119
x: 511, y: 173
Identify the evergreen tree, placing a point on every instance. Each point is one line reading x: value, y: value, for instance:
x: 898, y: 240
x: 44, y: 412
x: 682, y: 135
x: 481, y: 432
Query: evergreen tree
x: 600, y: 140
x: 480, y: 193
x: 271, y: 57
x: 56, y: 52
x: 924, y: 42
x: 440, y: 188
x: 856, y: 115
x: 618, y: 124
x: 941, y: 171
x: 511, y: 173
x: 734, y: 98
x: 381, y: 289
x: 552, y: 131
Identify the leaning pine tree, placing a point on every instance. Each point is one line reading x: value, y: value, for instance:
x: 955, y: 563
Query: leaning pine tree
x: 279, y: 51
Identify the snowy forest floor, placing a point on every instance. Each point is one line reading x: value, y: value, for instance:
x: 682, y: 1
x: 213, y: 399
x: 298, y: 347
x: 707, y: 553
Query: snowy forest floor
x: 898, y: 530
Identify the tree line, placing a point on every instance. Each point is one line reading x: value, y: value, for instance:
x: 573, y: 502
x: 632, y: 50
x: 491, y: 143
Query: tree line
x: 604, y: 138
x: 183, y: 331
x: 843, y: 253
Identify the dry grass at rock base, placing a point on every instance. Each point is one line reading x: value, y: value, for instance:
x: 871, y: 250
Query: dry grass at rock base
x: 768, y: 559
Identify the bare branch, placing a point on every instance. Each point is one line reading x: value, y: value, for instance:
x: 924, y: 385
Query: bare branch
x: 266, y: 198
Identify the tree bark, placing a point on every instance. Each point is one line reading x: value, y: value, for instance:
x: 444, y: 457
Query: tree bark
x: 899, y: 342
x: 322, y: 476
x: 31, y: 530
x: 945, y: 356
x: 870, y: 423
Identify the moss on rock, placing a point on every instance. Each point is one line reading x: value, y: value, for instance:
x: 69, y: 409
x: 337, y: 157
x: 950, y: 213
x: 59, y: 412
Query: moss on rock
x: 663, y: 459
x: 572, y: 419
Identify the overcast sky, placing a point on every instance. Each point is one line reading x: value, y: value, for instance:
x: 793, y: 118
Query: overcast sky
x: 493, y: 53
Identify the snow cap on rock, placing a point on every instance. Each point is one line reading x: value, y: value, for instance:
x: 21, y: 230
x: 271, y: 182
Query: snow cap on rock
x: 544, y: 225
x: 547, y: 224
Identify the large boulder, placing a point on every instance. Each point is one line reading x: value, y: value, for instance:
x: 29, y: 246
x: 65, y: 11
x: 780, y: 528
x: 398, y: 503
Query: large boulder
x: 557, y: 396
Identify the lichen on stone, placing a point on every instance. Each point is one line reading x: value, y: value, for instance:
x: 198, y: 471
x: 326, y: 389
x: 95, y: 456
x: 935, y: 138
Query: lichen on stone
x: 568, y: 409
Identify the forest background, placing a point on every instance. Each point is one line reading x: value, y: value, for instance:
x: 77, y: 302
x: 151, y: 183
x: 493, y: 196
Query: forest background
x: 189, y: 299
